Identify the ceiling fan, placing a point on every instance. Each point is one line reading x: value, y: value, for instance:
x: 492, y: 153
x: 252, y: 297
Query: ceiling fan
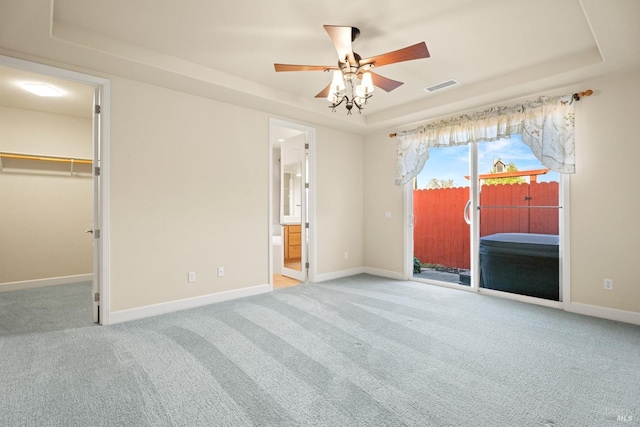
x: 345, y: 86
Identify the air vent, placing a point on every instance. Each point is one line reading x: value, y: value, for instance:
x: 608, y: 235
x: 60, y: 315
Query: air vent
x: 441, y: 86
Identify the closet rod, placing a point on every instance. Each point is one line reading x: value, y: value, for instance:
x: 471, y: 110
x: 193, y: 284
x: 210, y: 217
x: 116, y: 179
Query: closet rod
x: 45, y: 158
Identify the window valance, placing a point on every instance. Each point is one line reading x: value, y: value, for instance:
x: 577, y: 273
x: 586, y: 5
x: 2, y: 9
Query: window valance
x: 545, y: 125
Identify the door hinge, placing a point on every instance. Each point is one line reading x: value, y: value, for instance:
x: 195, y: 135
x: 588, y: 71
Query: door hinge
x: 96, y: 297
x: 97, y: 171
x: 306, y: 225
x: 96, y: 234
x: 306, y: 185
x: 97, y: 109
x: 306, y: 265
x: 306, y: 146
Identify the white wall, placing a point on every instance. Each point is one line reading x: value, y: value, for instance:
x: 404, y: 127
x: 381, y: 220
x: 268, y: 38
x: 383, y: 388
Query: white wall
x: 189, y: 192
x: 605, y: 201
x: 605, y: 236
x: 44, y: 212
x: 383, y: 237
x: 339, y: 202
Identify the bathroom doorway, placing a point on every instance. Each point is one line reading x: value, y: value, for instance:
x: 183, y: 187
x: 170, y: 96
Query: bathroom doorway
x: 291, y: 190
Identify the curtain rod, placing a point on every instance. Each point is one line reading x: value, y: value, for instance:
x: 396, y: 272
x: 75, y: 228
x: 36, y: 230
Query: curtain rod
x: 576, y: 96
x: 45, y: 158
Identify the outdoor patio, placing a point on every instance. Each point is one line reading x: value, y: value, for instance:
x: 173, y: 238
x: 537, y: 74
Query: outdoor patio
x: 443, y: 276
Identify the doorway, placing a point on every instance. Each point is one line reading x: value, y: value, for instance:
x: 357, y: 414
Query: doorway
x: 291, y: 201
x: 487, y: 218
x: 94, y: 167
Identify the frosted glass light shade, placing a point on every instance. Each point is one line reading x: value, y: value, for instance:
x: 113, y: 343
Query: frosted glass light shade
x: 338, y: 82
x: 332, y: 98
x: 367, y: 82
x: 360, y: 96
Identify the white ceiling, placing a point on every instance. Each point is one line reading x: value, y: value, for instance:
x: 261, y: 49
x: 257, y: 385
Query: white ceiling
x: 76, y: 99
x: 497, y: 49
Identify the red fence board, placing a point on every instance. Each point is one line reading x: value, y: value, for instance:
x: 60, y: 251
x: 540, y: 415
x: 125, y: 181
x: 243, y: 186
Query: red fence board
x: 441, y: 236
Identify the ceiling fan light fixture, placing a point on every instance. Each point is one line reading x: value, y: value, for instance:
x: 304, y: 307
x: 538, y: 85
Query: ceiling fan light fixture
x: 338, y: 82
x: 352, y: 83
x: 367, y: 82
x: 345, y: 88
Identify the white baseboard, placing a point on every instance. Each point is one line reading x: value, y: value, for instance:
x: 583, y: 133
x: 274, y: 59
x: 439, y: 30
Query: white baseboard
x: 625, y: 316
x: 183, y: 304
x: 41, y: 283
x: 384, y: 273
x: 338, y: 274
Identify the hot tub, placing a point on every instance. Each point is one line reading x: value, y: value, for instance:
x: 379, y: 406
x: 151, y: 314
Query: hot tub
x: 520, y: 263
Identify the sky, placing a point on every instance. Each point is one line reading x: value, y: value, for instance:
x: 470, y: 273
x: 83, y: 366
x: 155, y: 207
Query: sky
x: 453, y: 162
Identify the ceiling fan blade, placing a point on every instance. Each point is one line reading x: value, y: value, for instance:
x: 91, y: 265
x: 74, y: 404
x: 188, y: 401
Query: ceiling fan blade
x: 341, y: 38
x: 384, y: 83
x: 290, y: 67
x: 324, y: 92
x: 416, y: 51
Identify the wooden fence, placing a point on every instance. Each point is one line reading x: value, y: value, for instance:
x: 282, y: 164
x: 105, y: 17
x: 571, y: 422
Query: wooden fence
x: 441, y: 235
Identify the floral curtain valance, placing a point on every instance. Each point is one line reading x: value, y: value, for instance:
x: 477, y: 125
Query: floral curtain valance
x: 545, y: 125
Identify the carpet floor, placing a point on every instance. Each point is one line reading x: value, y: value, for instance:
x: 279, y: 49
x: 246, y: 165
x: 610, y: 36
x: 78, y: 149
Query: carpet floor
x: 358, y: 351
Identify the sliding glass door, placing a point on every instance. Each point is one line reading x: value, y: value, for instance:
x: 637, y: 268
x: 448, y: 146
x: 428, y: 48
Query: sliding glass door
x: 486, y: 216
x: 519, y: 221
x: 441, y: 233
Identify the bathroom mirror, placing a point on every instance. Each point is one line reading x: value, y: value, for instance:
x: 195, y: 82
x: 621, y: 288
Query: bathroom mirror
x: 292, y: 192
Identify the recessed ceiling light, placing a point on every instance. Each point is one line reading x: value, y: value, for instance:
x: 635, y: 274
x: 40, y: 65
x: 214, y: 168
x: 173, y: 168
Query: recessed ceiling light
x: 281, y: 140
x: 41, y: 89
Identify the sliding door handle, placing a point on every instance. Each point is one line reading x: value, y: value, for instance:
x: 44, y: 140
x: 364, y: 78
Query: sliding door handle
x: 466, y: 212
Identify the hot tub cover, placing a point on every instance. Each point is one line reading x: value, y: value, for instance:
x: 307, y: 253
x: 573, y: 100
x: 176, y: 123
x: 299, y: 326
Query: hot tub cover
x: 525, y: 264
x: 540, y: 245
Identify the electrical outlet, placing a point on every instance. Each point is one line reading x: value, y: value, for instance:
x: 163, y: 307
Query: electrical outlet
x: 608, y: 284
x: 346, y: 255
x: 220, y: 271
x: 191, y: 277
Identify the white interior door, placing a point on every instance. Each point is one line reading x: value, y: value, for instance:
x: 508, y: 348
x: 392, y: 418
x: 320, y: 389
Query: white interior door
x: 95, y: 124
x: 293, y: 207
